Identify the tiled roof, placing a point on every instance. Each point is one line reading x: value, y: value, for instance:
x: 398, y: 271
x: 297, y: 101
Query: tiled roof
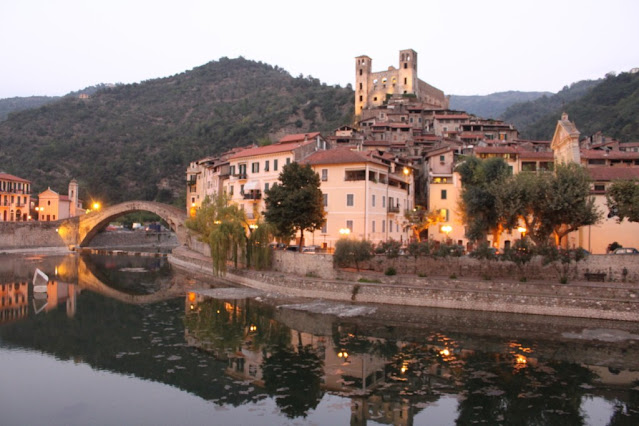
x: 299, y: 137
x: 546, y: 155
x: 613, y: 155
x: 452, y: 117
x: 340, y: 156
x: 7, y: 176
x: 269, y: 149
x: 613, y: 173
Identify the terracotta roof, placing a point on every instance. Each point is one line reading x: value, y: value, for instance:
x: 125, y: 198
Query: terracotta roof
x: 7, y: 176
x: 269, y: 149
x: 613, y: 173
x: 340, y: 156
x: 299, y: 137
x: 613, y: 155
x: 496, y: 150
x: 468, y: 135
x: 452, y: 117
x: 379, y: 143
x: 533, y: 154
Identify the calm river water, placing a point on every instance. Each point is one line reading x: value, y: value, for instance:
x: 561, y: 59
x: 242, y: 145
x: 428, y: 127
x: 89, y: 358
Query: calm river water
x: 126, y: 340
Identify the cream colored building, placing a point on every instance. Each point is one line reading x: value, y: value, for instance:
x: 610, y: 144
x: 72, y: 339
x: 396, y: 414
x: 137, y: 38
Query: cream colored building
x: 365, y: 193
x: 15, y: 198
x: 253, y: 171
x: 53, y: 206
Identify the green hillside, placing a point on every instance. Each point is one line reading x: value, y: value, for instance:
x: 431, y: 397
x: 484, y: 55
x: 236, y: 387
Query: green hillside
x: 493, y: 105
x: 9, y: 105
x: 526, y: 114
x: 135, y: 141
x: 612, y: 107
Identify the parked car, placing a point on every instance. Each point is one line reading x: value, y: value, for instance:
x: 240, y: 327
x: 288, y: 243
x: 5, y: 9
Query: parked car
x: 310, y: 249
x: 277, y: 246
x: 293, y: 248
x: 626, y: 250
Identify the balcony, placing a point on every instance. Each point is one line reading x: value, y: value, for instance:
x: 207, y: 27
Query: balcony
x: 253, y: 195
x: 393, y: 209
x: 241, y: 176
x: 191, y: 182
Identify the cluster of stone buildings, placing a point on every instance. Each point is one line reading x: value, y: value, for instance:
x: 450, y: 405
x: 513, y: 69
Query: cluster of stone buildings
x: 402, y: 152
x: 17, y: 204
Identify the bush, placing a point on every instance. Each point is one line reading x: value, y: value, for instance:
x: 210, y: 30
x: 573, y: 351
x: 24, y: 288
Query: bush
x: 390, y: 248
x: 390, y: 271
x: 348, y: 251
x: 445, y: 250
x: 520, y: 253
x: 484, y: 251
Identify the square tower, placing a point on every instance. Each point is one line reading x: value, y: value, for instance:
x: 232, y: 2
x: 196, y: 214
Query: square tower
x: 363, y: 67
x: 408, y: 72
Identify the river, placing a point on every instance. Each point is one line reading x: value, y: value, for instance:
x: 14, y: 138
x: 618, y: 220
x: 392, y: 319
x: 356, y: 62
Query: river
x: 130, y: 340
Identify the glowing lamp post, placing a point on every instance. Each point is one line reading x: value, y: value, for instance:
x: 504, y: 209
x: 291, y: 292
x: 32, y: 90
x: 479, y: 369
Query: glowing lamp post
x: 344, y: 232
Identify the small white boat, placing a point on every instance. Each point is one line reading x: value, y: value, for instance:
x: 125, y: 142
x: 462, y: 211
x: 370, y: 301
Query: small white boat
x: 40, y: 281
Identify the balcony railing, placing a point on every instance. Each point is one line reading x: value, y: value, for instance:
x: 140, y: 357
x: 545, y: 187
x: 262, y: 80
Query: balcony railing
x: 393, y: 209
x: 253, y: 195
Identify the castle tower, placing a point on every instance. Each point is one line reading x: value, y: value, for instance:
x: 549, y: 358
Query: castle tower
x: 407, y: 83
x: 73, y: 197
x: 363, y: 67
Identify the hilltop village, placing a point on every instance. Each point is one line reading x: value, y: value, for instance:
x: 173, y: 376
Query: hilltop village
x: 401, y: 154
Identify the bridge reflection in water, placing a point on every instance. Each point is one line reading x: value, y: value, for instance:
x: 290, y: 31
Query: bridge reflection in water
x: 392, y: 371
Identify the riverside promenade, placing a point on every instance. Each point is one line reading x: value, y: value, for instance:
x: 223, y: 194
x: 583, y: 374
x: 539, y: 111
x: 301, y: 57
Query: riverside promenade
x: 580, y: 299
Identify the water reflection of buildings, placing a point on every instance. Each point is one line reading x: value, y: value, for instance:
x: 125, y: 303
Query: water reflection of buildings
x: 392, y: 376
x: 14, y: 301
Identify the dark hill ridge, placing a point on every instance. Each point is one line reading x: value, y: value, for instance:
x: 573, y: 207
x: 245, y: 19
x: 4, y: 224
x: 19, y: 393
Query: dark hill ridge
x: 610, y: 105
x: 493, y: 105
x: 135, y: 141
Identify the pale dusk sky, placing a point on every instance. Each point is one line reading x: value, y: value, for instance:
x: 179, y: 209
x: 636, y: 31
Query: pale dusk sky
x: 464, y: 47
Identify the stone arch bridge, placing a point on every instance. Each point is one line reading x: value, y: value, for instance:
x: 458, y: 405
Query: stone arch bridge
x: 80, y: 230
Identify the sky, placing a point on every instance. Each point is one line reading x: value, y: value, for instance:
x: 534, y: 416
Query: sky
x: 464, y: 47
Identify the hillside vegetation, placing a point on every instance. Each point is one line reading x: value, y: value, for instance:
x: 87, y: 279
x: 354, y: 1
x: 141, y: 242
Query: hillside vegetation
x: 493, y: 105
x: 135, y: 141
x: 611, y: 107
x: 525, y: 115
x: 9, y: 105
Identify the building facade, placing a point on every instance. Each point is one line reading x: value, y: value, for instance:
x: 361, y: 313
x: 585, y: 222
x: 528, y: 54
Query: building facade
x: 15, y: 198
x: 54, y: 206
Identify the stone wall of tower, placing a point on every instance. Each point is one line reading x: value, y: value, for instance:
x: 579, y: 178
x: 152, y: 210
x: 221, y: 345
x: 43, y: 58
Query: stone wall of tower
x: 363, y: 66
x: 73, y: 198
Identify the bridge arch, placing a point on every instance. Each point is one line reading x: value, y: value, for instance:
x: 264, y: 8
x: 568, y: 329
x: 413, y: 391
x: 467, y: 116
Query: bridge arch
x: 90, y: 224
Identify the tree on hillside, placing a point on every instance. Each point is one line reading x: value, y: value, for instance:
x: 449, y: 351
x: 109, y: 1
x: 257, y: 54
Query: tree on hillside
x: 296, y: 203
x: 477, y: 202
x: 623, y: 200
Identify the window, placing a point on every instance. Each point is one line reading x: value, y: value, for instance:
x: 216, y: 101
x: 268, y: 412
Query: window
x: 255, y: 167
x: 383, y: 202
x: 232, y: 170
x: 361, y: 86
x: 373, y: 225
x: 324, y: 175
x: 444, y: 194
x: 360, y: 71
x: 383, y: 226
x: 266, y: 166
x: 373, y: 200
x: 275, y: 164
x: 325, y: 228
x: 405, y: 79
x: 325, y: 200
x: 444, y: 214
x: 266, y: 187
x: 48, y: 202
x: 349, y: 200
x: 288, y: 161
x: 242, y: 189
x: 361, y: 98
x: 442, y: 158
x: 349, y: 225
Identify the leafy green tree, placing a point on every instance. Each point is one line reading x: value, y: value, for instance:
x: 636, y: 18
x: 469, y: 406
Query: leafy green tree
x: 223, y: 226
x: 297, y: 203
x: 348, y: 252
x: 478, y: 204
x: 623, y: 200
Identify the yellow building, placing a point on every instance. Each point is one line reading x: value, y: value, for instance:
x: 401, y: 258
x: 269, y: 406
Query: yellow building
x: 373, y: 89
x: 254, y: 170
x: 15, y: 198
x: 53, y: 206
x: 365, y: 195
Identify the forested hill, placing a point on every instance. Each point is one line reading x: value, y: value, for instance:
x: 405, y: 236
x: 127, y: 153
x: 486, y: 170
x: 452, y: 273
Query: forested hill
x: 610, y: 105
x: 9, y: 105
x: 135, y: 141
x: 493, y: 105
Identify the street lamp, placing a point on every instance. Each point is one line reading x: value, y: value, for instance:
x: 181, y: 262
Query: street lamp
x: 523, y: 231
x: 447, y: 230
x: 96, y: 206
x: 344, y: 231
